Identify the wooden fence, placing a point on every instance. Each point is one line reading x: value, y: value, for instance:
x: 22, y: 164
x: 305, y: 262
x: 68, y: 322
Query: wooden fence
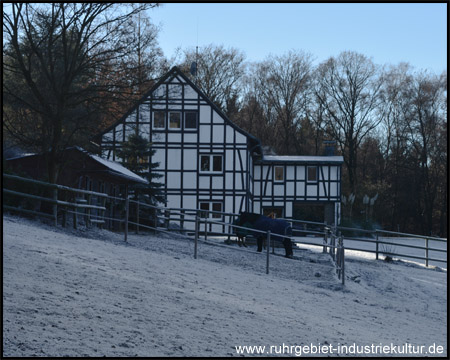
x: 93, y: 206
x: 78, y: 199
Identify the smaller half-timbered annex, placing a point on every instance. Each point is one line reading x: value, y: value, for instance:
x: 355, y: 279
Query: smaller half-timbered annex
x: 209, y: 163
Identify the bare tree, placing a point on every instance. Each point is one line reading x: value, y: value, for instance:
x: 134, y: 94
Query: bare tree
x: 413, y: 141
x: 426, y: 125
x: 219, y: 72
x: 348, y: 89
x: 282, y: 84
x: 57, y: 64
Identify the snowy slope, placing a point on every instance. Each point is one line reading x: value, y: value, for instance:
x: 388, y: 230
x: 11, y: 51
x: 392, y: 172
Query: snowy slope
x: 65, y: 294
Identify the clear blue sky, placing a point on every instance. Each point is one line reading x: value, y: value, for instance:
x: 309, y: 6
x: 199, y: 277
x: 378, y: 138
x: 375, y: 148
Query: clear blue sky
x: 387, y: 33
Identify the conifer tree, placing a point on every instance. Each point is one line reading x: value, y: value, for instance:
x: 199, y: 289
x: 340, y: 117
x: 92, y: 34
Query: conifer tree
x: 136, y: 153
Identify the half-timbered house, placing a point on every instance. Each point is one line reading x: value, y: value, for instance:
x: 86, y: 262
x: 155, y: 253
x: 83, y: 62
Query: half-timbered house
x: 209, y: 163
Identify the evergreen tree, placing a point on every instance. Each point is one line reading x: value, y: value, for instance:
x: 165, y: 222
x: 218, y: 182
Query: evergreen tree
x: 136, y: 153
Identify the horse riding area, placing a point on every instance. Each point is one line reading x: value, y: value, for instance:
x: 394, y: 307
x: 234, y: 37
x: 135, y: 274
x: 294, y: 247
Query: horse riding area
x: 86, y: 292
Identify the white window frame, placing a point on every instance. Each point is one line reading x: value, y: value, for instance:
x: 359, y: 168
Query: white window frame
x: 211, y: 164
x: 168, y: 122
x: 211, y: 204
x: 275, y: 173
x: 153, y: 120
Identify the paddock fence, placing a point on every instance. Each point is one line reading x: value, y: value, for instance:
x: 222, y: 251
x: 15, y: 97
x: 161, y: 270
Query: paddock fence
x: 57, y: 203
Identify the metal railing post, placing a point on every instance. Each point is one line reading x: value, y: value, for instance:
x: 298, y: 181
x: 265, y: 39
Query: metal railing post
x: 268, y: 251
x: 325, y: 240
x: 206, y: 228
x: 196, y: 236
x: 426, y: 252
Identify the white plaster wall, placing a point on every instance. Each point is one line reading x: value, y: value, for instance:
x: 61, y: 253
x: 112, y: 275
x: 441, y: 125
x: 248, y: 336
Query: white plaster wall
x: 205, y: 114
x: 190, y: 159
x: 217, y: 119
x: 174, y: 159
x: 189, y: 92
x: 189, y: 180
x: 205, y: 133
x: 173, y: 180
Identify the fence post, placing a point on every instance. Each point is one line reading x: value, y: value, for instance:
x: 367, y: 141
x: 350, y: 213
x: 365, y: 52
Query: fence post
x: 88, y: 211
x: 426, y: 252
x: 155, y: 219
x: 182, y: 220
x: 325, y: 240
x: 376, y: 244
x: 268, y: 251
x: 64, y: 210
x: 342, y: 260
x: 103, y: 212
x: 230, y: 228
x: 127, y: 209
x: 167, y: 218
x: 75, y: 212
x: 55, y: 206
x: 206, y: 227
x: 137, y: 216
x: 196, y: 236
x: 332, y: 243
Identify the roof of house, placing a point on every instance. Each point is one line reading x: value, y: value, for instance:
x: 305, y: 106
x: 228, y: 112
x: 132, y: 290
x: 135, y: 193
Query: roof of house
x: 116, y: 168
x: 111, y: 168
x: 303, y: 159
x: 255, y: 142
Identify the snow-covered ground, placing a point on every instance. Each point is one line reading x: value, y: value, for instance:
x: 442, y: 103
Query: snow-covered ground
x: 87, y: 293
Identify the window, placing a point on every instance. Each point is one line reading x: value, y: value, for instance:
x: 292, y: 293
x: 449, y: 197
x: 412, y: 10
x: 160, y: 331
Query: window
x: 217, y: 163
x: 159, y: 120
x: 174, y: 120
x: 204, y: 163
x: 190, y: 120
x: 211, y: 163
x: 279, y: 173
x: 217, y: 207
x: 312, y: 174
x: 205, y: 207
